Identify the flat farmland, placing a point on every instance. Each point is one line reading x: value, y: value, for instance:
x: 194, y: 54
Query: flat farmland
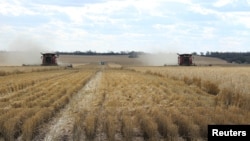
x: 120, y: 101
x: 85, y: 59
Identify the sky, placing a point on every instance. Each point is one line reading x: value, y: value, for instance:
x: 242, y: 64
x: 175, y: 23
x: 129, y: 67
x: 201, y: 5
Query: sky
x: 182, y: 26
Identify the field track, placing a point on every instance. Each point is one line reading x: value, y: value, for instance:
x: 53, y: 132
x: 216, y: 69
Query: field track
x: 62, y: 128
x: 115, y: 103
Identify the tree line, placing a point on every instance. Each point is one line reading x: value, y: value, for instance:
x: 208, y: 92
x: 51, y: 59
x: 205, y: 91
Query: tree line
x: 131, y: 54
x: 231, y: 57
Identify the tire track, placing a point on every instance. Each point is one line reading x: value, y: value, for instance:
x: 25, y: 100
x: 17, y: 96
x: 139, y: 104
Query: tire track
x: 61, y: 128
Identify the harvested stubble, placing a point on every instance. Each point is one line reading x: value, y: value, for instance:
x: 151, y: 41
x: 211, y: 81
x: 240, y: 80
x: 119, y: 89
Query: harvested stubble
x: 90, y: 125
x: 165, y: 105
x: 110, y: 127
x: 166, y: 127
x: 147, y: 125
x: 180, y: 110
x: 127, y: 127
x: 21, y: 102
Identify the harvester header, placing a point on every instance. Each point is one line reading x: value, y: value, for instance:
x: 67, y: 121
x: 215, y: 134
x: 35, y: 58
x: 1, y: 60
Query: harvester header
x: 49, y: 59
x: 185, y: 59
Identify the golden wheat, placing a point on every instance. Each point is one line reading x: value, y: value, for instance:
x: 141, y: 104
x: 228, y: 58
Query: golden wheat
x: 152, y: 103
x: 47, y: 92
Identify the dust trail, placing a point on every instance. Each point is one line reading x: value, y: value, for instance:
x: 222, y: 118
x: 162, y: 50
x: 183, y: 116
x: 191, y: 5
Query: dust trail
x: 62, y: 128
x: 159, y: 59
x: 22, y: 51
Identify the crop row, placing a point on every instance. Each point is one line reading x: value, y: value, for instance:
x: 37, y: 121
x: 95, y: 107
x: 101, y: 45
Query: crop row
x: 229, y: 84
x: 130, y: 105
x: 13, y: 70
x: 23, y: 110
x: 12, y: 83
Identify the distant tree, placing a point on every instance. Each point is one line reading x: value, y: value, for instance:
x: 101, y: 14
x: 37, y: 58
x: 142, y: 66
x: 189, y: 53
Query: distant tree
x: 242, y: 59
x: 123, y: 53
x: 111, y: 53
x: 201, y: 53
x: 89, y: 52
x: 207, y: 53
x: 194, y: 53
x: 236, y: 57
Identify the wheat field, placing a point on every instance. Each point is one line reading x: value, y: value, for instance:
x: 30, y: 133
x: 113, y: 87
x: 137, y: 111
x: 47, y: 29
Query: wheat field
x: 115, y: 103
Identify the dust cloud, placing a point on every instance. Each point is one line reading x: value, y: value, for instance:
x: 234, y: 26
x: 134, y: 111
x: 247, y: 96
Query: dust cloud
x: 159, y: 59
x: 22, y: 52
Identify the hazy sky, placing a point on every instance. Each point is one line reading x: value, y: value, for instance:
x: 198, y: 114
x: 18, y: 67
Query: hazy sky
x: 125, y: 25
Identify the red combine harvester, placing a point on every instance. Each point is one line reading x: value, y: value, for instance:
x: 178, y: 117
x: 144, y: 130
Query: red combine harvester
x: 185, y: 60
x: 49, y: 59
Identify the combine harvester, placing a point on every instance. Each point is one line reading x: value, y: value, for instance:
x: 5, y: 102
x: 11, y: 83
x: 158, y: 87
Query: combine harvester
x: 49, y: 59
x: 185, y: 60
